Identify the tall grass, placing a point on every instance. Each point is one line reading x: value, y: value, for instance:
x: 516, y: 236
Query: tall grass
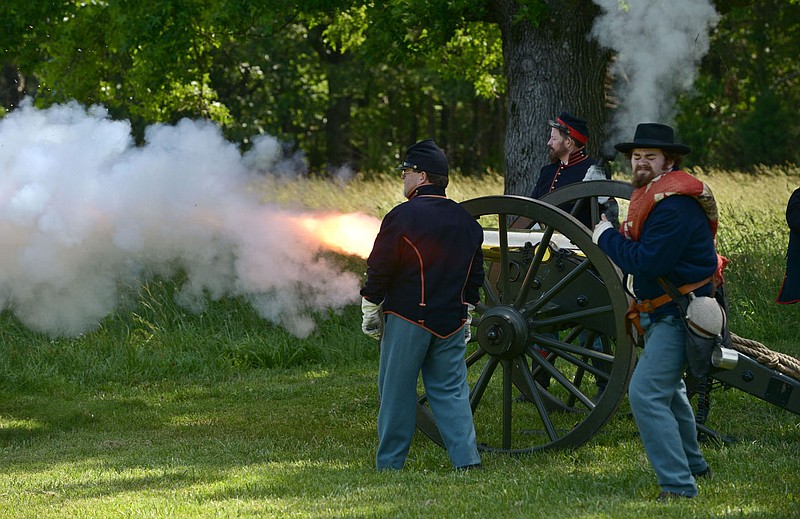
x: 153, y: 339
x: 753, y: 234
x: 161, y: 412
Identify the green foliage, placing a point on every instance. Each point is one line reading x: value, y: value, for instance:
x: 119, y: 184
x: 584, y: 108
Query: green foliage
x: 532, y: 11
x: 768, y: 132
x: 279, y: 70
x: 349, y: 82
x: 347, y: 30
x: 742, y: 110
x: 475, y: 52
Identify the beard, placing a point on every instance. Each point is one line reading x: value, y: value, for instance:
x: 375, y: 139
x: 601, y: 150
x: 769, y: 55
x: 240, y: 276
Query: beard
x: 553, y: 156
x: 642, y: 177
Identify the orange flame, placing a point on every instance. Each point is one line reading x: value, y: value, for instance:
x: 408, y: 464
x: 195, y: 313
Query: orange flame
x: 350, y: 233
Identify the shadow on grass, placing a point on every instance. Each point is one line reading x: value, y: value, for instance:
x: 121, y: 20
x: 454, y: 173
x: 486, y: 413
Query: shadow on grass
x: 261, y: 417
x: 279, y: 440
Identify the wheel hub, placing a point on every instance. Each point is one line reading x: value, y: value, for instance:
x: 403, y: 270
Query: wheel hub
x: 503, y: 332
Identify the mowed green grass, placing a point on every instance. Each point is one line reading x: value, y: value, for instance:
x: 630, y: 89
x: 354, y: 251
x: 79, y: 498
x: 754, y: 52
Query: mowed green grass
x: 164, y: 413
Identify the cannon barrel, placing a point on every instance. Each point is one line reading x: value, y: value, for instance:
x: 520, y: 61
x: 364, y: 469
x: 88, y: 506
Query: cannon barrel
x: 761, y: 381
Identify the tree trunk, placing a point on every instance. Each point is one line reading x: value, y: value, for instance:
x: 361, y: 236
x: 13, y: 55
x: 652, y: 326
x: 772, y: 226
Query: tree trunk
x: 13, y: 87
x: 550, y: 68
x: 338, y: 70
x: 339, y: 151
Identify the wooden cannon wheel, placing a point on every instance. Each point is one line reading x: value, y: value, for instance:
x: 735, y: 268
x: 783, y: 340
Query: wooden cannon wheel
x: 549, y: 331
x: 585, y: 193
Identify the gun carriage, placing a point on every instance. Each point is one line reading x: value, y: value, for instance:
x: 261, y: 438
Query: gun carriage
x: 549, y: 359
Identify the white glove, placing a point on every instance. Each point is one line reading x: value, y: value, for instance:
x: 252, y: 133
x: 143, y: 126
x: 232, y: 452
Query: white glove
x: 371, y: 319
x: 468, y: 324
x: 600, y: 228
x: 595, y: 172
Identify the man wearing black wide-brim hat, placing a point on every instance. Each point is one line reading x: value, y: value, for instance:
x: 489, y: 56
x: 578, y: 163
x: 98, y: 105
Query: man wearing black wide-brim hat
x: 668, y: 235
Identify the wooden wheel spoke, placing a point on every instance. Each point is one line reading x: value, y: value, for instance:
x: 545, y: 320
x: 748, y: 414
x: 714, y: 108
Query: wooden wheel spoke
x: 561, y: 348
x: 505, y: 278
x: 477, y: 391
x: 571, y: 317
x: 475, y: 357
x: 490, y: 295
x: 533, y: 388
x: 582, y: 365
x: 594, y: 210
x: 508, y: 371
x: 564, y: 381
x: 577, y: 206
x: 530, y: 274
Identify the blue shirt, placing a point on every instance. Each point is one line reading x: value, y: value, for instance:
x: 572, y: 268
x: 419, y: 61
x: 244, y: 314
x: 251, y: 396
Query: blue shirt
x: 558, y: 174
x: 676, y: 242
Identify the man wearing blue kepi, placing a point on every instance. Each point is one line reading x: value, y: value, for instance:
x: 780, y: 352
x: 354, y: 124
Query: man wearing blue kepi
x: 667, y: 235
x: 423, y: 276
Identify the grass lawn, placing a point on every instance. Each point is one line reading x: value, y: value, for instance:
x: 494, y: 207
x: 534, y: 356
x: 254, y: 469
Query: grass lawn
x: 300, y: 443
x: 163, y: 413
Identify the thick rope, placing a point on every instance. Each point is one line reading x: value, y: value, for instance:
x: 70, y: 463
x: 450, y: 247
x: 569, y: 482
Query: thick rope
x: 782, y: 362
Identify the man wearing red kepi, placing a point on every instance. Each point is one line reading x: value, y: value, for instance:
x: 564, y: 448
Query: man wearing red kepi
x: 566, y: 150
x: 569, y: 163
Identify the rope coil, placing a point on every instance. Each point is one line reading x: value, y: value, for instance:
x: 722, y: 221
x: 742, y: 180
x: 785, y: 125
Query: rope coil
x: 782, y: 362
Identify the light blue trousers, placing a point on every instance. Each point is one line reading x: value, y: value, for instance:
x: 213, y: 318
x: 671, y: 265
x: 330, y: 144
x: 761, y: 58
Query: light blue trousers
x: 406, y: 351
x: 661, y: 409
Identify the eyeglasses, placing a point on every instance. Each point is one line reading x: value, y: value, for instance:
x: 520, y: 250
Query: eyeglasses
x: 407, y: 167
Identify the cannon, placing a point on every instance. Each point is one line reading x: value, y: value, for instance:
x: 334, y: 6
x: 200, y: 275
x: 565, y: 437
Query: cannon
x: 549, y: 360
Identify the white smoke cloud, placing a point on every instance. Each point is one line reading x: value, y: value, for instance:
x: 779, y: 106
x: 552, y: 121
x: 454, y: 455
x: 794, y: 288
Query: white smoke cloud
x: 658, y: 47
x: 85, y: 213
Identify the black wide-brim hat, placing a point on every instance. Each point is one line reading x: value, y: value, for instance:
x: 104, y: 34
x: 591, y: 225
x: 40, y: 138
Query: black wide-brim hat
x: 654, y: 135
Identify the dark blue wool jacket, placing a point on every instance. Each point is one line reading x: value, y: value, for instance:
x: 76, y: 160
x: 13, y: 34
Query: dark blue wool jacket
x: 427, y: 262
x: 558, y: 175
x: 790, y: 290
x: 676, y: 243
x: 554, y: 176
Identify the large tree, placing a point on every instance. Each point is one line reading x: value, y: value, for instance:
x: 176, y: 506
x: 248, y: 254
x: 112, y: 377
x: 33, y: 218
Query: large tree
x: 160, y: 60
x: 551, y: 65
